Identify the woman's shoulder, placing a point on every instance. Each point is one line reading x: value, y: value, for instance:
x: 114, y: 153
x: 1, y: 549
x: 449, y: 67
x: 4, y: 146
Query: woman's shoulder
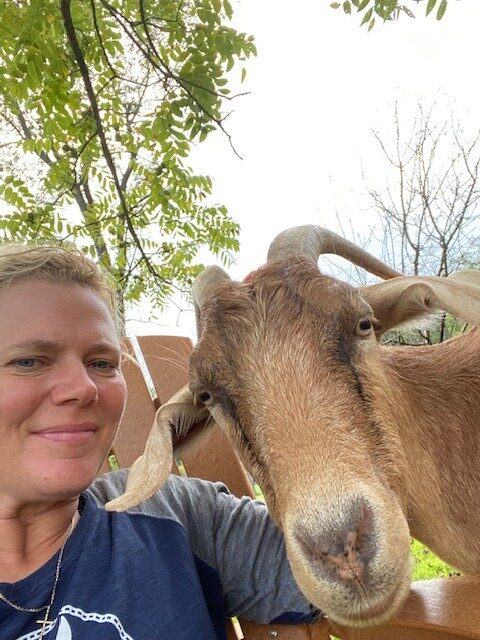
x: 190, y: 505
x: 178, y: 497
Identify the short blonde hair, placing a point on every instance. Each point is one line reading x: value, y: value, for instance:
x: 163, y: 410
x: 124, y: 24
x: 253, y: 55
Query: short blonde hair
x: 60, y: 264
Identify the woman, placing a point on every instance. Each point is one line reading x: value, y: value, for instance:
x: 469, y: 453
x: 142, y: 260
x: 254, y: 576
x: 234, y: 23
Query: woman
x: 68, y: 569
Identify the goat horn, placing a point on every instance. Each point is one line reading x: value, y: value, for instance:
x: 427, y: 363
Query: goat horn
x: 201, y: 285
x: 311, y: 241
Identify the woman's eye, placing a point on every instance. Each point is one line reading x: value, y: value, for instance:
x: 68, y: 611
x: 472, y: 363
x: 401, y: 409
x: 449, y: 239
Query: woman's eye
x: 25, y: 363
x: 103, y: 365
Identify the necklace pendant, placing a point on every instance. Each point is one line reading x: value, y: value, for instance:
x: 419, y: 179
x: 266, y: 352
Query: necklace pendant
x: 44, y: 623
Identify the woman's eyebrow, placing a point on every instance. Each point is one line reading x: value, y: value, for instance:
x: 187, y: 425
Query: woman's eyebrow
x: 104, y: 347
x: 40, y: 345
x: 48, y: 345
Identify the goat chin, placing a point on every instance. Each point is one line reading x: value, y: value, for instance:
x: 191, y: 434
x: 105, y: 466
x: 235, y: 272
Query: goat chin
x: 347, y: 608
x: 356, y: 568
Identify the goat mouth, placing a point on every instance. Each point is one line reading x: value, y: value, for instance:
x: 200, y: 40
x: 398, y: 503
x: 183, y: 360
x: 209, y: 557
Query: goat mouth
x: 376, y: 614
x: 362, y: 604
x: 359, y: 610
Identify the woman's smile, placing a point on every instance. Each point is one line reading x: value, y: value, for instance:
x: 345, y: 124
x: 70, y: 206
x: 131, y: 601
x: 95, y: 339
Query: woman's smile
x: 74, y: 434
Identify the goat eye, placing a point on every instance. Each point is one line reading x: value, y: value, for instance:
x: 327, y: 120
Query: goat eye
x: 363, y: 327
x: 205, y: 397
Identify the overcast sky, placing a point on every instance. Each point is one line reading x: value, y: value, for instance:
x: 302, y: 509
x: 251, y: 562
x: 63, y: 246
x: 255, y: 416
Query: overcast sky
x: 318, y: 87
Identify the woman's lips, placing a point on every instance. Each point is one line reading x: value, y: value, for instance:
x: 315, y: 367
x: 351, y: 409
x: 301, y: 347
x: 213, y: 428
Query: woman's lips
x: 68, y: 434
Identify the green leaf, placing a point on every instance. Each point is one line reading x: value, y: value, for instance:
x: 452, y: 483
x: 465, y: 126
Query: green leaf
x: 28, y: 145
x: 441, y: 9
x: 391, y: 6
x: 228, y: 9
x: 367, y: 17
x: 32, y: 73
x: 335, y: 5
x: 430, y: 5
x: 347, y: 7
x: 406, y: 10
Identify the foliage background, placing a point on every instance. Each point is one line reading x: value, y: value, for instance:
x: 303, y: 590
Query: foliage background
x: 100, y: 103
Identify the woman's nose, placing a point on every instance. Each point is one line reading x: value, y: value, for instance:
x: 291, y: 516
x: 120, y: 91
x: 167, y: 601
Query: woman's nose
x: 73, y: 383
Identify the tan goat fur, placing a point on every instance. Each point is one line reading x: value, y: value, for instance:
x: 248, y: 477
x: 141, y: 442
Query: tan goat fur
x: 355, y: 445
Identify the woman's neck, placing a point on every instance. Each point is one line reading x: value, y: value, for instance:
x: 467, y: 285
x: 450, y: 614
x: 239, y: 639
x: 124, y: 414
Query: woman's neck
x: 31, y: 534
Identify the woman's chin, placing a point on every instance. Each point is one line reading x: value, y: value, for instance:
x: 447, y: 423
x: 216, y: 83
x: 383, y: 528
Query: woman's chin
x: 63, y: 478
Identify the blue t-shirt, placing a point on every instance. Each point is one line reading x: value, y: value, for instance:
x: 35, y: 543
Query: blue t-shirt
x: 170, y: 569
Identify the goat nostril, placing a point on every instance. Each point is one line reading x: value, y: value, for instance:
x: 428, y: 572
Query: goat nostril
x: 342, y: 555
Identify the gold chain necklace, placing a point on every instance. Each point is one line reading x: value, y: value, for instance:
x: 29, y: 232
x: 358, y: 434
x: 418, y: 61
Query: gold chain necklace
x: 46, y: 607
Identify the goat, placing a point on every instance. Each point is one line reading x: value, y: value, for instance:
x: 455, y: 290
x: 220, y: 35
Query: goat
x: 355, y: 445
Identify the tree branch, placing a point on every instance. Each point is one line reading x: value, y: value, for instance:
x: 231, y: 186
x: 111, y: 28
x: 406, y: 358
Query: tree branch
x: 72, y: 38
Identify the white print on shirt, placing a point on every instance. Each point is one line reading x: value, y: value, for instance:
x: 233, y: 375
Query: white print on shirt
x: 64, y: 631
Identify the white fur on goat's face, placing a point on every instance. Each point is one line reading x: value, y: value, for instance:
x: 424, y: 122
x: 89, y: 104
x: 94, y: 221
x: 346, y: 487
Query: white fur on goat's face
x: 286, y: 373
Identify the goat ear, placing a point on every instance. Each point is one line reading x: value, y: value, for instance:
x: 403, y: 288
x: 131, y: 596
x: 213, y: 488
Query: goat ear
x: 178, y: 418
x: 409, y: 297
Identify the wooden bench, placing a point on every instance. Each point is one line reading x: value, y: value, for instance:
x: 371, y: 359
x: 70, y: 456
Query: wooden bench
x: 440, y: 609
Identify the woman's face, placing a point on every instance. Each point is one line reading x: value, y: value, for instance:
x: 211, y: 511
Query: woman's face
x: 62, y: 392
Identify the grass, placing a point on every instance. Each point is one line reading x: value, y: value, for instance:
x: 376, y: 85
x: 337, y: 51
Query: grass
x: 426, y: 565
